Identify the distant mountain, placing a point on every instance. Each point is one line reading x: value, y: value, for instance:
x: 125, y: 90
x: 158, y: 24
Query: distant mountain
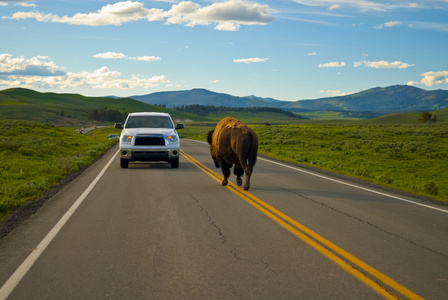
x: 205, y: 97
x: 392, y: 99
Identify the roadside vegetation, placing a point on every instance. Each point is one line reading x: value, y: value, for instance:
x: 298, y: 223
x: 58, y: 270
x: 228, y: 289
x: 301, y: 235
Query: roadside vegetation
x: 34, y: 156
x: 411, y: 158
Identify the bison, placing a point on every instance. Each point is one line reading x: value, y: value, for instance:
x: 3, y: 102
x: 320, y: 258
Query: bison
x: 233, y: 142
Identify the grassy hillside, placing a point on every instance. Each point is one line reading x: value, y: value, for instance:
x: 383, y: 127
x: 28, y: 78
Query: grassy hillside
x: 35, y: 156
x: 69, y: 109
x: 408, y: 118
x: 260, y: 117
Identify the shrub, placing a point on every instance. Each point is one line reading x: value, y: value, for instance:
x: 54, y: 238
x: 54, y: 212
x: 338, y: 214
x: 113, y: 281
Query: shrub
x: 431, y: 188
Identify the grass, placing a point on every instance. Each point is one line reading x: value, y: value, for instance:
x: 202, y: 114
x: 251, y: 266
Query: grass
x: 34, y: 156
x: 260, y: 117
x: 411, y: 158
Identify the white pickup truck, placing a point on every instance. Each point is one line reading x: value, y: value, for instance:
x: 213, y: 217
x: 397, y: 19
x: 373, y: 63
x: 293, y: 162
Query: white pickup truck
x: 149, y: 136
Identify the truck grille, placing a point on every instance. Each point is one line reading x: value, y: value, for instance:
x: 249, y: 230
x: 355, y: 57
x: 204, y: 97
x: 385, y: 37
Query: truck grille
x: 149, y: 141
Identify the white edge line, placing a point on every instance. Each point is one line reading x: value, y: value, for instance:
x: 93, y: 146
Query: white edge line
x: 348, y: 184
x: 21, y: 271
x: 353, y: 185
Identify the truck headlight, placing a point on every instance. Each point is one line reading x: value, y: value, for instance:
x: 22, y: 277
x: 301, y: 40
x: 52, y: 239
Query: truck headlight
x: 126, y: 139
x: 172, y: 138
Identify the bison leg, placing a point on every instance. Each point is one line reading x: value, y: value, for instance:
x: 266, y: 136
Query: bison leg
x: 225, y: 168
x: 238, y: 171
x: 248, y: 171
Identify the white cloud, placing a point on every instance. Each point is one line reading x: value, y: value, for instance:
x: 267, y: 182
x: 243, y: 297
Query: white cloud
x: 432, y: 78
x: 39, y: 65
x: 382, y: 64
x: 412, y: 83
x: 228, y: 15
x: 362, y: 5
x: 312, y: 53
x: 336, y: 6
x: 250, y: 60
x: 333, y: 93
x: 443, y: 27
x: 24, y: 3
x: 108, y: 55
x: 388, y: 24
x: 39, y: 72
x: 332, y: 64
x: 115, y: 55
x: 227, y: 26
x: 214, y: 81
x: 392, y: 24
x: 146, y: 58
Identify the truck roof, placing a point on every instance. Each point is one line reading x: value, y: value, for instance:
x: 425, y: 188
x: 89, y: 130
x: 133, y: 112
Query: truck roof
x: 149, y: 114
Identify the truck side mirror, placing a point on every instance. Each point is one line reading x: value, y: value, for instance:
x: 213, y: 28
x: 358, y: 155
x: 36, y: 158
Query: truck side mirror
x: 180, y: 126
x: 118, y: 126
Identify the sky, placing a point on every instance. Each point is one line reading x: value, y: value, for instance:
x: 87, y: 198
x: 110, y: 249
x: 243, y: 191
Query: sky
x: 283, y: 49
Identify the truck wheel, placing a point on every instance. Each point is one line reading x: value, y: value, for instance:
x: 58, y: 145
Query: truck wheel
x: 124, y: 163
x: 175, y: 163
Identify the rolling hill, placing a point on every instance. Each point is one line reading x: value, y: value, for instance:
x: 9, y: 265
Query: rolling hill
x: 395, y: 104
x: 205, y: 97
x: 69, y: 109
x: 73, y: 110
x: 392, y: 99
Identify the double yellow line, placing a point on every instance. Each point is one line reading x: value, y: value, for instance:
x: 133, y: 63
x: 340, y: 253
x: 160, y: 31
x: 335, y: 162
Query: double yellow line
x: 373, y: 278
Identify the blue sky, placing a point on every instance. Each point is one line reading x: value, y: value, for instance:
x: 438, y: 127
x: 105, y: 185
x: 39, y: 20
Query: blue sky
x: 284, y: 49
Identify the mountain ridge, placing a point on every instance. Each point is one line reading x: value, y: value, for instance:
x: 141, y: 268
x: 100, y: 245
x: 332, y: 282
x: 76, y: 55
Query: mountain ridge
x: 384, y: 100
x: 203, y: 97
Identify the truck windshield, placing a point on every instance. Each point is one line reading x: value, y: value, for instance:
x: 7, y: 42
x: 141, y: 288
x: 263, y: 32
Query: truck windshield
x: 149, y: 122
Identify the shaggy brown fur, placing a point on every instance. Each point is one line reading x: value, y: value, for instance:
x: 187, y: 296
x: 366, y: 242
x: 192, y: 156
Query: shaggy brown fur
x: 233, y: 142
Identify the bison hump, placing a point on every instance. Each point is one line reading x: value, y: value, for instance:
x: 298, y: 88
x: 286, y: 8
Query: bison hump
x: 228, y: 123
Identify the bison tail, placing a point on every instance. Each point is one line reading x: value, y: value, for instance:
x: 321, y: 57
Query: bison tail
x: 252, y: 158
x: 250, y: 155
x: 210, y: 136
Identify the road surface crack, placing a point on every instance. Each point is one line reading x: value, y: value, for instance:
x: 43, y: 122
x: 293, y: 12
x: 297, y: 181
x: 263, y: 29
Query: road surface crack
x: 265, y: 265
x: 210, y: 220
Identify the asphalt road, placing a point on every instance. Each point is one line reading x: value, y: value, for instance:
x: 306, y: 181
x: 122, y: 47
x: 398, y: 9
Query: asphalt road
x: 153, y: 232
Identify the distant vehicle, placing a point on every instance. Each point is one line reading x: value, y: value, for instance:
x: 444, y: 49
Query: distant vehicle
x: 113, y: 136
x: 149, y: 136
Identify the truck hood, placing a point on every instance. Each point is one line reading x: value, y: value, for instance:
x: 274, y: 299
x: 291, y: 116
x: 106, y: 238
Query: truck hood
x: 149, y: 131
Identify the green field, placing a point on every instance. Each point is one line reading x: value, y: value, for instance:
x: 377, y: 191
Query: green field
x: 34, y: 156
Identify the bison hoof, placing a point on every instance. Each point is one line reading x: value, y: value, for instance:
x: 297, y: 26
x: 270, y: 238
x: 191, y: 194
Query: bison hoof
x: 239, y: 181
x: 224, y: 182
x: 246, y: 187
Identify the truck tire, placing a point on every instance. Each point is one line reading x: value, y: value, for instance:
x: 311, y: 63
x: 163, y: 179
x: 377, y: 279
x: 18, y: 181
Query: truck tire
x: 175, y: 163
x: 124, y: 163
